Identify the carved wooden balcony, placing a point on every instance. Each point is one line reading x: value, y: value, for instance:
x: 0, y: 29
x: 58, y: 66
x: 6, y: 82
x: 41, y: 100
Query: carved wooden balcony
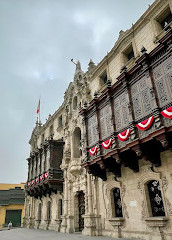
x: 132, y: 118
x: 49, y: 158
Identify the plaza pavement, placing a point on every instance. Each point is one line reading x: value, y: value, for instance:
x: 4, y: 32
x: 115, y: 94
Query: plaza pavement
x: 32, y: 234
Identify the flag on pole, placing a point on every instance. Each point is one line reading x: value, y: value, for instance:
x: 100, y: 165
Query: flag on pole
x: 38, y: 108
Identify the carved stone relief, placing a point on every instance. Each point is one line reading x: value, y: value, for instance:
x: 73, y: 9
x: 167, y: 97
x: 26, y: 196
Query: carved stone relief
x: 108, y: 188
x: 147, y: 175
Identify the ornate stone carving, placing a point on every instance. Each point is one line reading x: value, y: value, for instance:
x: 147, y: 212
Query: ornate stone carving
x: 164, y: 184
x: 156, y: 221
x: 125, y: 210
x: 168, y: 206
x: 143, y: 210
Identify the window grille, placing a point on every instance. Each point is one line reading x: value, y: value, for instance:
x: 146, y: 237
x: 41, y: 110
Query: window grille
x: 156, y: 200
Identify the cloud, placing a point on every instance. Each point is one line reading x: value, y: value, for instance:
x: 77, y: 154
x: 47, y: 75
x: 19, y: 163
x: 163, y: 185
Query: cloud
x: 38, y: 38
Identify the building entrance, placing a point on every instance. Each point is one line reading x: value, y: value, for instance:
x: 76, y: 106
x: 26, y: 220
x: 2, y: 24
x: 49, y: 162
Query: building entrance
x: 14, y: 216
x: 81, y: 208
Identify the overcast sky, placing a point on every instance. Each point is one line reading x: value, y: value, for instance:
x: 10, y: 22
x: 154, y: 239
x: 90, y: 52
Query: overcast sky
x: 37, y: 40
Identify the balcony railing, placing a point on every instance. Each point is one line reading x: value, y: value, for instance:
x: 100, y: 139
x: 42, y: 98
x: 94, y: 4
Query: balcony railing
x: 132, y: 118
x: 47, y: 182
x: 49, y: 158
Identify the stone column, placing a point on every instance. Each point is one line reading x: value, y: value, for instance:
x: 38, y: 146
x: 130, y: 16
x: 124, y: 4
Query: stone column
x: 89, y: 217
x: 96, y: 207
x: 89, y: 190
x: 29, y: 171
x: 70, y: 220
x: 31, y: 217
x: 65, y: 203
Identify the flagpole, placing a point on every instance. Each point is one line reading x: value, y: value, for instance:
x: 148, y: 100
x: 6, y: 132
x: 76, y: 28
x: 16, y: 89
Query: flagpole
x: 39, y: 108
x: 38, y: 111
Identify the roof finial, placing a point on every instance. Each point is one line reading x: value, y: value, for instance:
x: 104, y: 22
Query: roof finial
x: 91, y: 65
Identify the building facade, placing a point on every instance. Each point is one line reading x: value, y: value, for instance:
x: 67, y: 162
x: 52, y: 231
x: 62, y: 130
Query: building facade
x: 12, y: 199
x: 102, y: 163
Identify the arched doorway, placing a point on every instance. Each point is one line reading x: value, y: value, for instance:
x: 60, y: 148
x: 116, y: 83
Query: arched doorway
x: 77, y: 143
x: 81, y: 209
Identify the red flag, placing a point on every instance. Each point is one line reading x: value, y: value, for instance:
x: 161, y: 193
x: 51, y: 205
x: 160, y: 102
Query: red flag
x: 38, y: 108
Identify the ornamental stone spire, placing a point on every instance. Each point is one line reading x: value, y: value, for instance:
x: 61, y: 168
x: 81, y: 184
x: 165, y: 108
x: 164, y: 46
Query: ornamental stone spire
x: 91, y: 65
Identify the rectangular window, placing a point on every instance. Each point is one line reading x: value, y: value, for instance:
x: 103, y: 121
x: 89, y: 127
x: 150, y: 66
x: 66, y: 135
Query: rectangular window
x: 60, y: 123
x: 42, y: 138
x: 103, y: 78
x: 164, y: 18
x: 128, y: 54
x: 51, y: 130
x: 156, y: 199
x: 117, y: 202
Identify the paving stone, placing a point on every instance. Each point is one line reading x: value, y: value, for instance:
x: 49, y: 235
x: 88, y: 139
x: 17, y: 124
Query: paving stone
x: 33, y: 234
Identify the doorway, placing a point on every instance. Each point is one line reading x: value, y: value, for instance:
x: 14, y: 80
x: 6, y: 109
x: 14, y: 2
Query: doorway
x: 14, y: 216
x: 81, y: 209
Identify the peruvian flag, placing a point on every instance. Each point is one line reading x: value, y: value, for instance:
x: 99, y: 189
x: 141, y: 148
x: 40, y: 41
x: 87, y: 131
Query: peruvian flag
x: 106, y: 144
x: 93, y: 150
x: 145, y: 124
x: 46, y: 175
x: 167, y: 113
x: 123, y: 136
x: 38, y: 108
x: 37, y: 180
x: 33, y: 181
x: 28, y: 184
x: 41, y: 177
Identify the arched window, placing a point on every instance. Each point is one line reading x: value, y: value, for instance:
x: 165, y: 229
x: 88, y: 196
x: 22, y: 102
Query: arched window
x: 39, y: 211
x: 77, y: 143
x: 49, y: 210
x: 75, y: 102
x: 117, y: 207
x: 155, y: 197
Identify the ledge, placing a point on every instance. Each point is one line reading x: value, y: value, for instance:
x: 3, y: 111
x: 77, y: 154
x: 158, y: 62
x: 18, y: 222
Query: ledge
x: 117, y: 221
x: 156, y: 221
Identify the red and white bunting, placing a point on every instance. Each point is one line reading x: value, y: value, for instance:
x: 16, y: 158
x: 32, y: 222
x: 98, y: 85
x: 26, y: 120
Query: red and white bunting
x: 93, y: 150
x: 28, y: 184
x: 41, y: 177
x: 37, y: 180
x: 167, y: 113
x: 106, y: 144
x: 123, y: 136
x: 145, y: 124
x: 33, y: 181
x: 46, y: 175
